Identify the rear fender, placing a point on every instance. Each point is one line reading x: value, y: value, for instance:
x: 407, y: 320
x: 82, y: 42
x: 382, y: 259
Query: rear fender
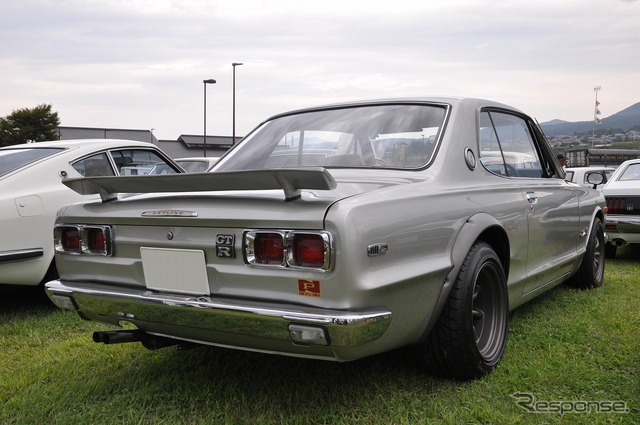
x: 582, y: 248
x: 477, y: 227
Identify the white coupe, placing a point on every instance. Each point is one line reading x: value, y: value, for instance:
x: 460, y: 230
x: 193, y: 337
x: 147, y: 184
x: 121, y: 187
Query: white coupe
x: 31, y: 193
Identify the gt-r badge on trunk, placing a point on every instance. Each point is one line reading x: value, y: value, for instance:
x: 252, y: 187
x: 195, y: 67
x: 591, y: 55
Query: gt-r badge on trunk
x: 225, y: 246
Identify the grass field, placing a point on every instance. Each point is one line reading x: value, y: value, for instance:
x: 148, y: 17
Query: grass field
x: 571, y: 351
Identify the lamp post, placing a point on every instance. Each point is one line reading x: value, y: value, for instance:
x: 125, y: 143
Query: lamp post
x: 205, y: 82
x: 234, y: 64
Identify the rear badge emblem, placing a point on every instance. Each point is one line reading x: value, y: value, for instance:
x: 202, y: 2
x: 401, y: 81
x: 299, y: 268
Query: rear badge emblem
x: 169, y: 213
x: 225, y: 246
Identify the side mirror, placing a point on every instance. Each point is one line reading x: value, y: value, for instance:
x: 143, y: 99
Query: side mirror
x: 596, y: 178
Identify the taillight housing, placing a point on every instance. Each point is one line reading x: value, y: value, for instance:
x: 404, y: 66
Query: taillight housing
x: 83, y: 239
x: 67, y: 239
x: 616, y: 205
x: 308, y: 250
x: 295, y: 249
x: 268, y: 248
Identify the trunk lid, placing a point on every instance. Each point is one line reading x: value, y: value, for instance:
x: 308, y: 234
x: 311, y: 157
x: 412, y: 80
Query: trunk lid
x: 265, y: 198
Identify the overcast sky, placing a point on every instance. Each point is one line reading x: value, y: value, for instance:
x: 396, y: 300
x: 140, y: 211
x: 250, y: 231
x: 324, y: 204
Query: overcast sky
x: 139, y: 64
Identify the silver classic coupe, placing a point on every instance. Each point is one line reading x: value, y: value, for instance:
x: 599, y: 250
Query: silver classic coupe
x: 336, y: 233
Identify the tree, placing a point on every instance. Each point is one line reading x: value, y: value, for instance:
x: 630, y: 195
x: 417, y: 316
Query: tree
x: 29, y: 125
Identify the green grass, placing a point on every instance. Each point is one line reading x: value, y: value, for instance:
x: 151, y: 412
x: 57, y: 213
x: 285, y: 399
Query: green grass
x: 567, y: 346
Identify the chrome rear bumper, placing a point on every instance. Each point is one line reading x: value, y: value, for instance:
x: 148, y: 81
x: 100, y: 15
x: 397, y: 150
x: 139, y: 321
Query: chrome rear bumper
x: 623, y: 229
x: 236, y: 323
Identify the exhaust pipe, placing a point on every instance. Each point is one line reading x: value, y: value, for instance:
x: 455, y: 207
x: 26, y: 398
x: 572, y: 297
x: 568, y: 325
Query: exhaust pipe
x: 122, y: 336
x: 619, y: 242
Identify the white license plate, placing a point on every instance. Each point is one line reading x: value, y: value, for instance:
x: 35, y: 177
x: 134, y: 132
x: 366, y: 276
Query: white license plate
x: 175, y: 270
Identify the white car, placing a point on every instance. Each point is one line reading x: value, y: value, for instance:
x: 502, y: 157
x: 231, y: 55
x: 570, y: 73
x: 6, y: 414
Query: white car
x: 31, y: 193
x: 579, y: 175
x: 622, y: 193
x: 197, y: 164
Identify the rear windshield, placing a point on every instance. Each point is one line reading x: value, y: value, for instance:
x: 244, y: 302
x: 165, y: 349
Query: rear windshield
x: 632, y: 172
x: 13, y: 159
x: 380, y: 136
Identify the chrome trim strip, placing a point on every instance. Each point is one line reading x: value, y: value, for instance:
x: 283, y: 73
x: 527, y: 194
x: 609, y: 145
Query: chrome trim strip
x: 21, y: 255
x: 240, y: 317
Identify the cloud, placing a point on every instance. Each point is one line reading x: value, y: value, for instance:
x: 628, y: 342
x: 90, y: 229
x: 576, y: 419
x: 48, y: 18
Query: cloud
x: 140, y: 63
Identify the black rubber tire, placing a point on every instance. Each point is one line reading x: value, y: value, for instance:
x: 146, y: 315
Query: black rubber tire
x: 469, y: 338
x: 591, y: 271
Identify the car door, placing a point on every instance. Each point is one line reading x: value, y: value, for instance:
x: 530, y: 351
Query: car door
x: 549, y: 202
x: 554, y: 223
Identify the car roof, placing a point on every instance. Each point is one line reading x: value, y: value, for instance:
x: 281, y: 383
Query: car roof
x: 86, y: 144
x: 454, y: 101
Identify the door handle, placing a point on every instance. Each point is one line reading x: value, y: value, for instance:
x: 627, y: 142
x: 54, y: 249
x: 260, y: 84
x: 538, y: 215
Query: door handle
x: 532, y: 198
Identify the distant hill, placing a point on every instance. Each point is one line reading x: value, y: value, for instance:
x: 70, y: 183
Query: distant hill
x: 624, y: 120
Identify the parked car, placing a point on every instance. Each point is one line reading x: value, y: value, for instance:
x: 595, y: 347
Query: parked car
x: 198, y: 164
x: 31, y: 193
x: 580, y: 175
x: 622, y: 193
x: 334, y: 249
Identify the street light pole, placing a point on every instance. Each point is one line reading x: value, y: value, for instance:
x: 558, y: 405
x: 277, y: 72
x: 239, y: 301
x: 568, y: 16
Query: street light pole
x: 205, y: 82
x: 234, y: 101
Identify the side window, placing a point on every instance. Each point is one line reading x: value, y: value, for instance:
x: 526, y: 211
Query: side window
x: 507, y: 147
x: 95, y: 165
x: 490, y: 151
x: 138, y: 162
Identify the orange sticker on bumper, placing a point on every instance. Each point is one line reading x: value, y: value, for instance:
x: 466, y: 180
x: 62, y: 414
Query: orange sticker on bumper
x: 309, y: 288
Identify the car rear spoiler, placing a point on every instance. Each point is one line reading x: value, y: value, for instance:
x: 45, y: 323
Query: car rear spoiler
x: 290, y: 180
